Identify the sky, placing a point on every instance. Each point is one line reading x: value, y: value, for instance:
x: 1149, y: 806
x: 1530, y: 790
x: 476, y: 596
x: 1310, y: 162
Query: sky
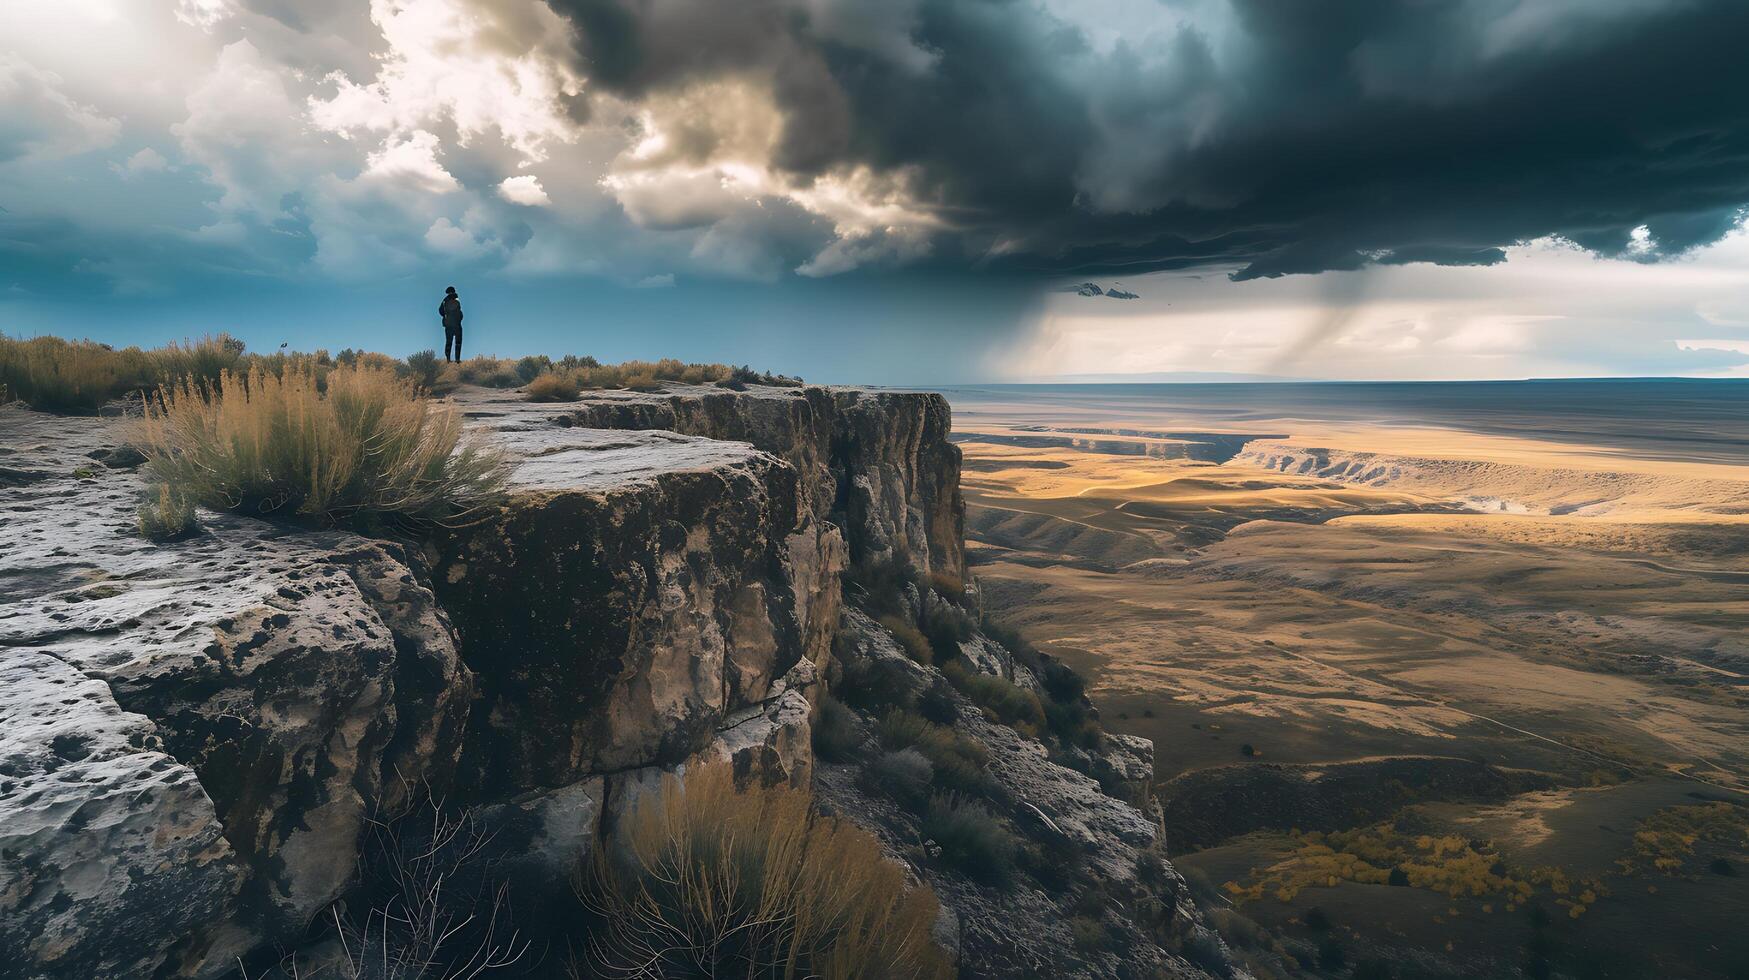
x: 894, y: 191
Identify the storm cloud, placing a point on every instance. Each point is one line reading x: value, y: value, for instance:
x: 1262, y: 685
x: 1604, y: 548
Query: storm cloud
x: 1272, y: 136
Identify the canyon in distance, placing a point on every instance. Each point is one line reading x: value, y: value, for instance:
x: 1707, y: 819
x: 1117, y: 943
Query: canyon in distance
x: 1492, y: 628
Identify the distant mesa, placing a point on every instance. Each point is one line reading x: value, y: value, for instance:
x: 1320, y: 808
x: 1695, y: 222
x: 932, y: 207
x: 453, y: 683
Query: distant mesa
x: 1095, y: 289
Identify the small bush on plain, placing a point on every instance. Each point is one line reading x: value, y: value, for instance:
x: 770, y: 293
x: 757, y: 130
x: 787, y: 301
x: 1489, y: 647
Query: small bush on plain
x: 970, y: 837
x: 533, y: 366
x: 368, y: 448
x: 423, y: 368
x: 716, y: 881
x: 553, y: 387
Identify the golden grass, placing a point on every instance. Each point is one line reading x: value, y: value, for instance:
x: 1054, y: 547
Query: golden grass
x: 570, y: 376
x: 265, y: 443
x: 55, y: 375
x: 711, y: 880
x: 553, y: 387
x: 915, y: 644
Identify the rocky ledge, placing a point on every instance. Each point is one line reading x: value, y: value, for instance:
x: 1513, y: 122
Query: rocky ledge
x: 198, y: 739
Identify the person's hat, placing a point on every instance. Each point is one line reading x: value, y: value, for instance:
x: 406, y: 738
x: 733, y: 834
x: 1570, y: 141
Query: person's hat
x: 450, y: 290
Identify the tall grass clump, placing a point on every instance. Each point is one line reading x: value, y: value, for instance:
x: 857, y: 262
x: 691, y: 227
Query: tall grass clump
x: 714, y: 881
x: 367, y: 448
x: 78, y: 376
x: 553, y: 386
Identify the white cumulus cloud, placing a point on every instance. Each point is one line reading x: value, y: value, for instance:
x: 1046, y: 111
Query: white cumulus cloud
x: 525, y: 190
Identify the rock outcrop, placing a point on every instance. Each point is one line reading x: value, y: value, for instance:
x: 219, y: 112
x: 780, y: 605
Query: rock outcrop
x: 1087, y: 854
x: 208, y: 724
x: 202, y: 740
x: 876, y: 463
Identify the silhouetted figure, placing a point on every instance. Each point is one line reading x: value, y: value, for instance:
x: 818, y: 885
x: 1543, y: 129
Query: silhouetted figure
x: 451, y: 311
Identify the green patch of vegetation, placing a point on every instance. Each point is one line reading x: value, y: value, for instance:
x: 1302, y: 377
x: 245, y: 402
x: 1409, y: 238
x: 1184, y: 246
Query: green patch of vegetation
x: 958, y: 761
x: 1001, y: 699
x: 166, y: 515
x: 911, y: 640
x: 1392, y: 853
x: 905, y: 775
x: 1665, y: 842
x: 715, y: 880
x: 970, y: 837
x: 946, y: 626
x: 837, y: 735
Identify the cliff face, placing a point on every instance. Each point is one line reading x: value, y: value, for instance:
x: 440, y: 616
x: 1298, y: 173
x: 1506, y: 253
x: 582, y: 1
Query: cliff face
x: 876, y: 463
x: 195, y: 737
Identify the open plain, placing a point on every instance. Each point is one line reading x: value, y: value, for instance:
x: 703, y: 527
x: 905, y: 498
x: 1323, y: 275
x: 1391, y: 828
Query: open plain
x: 1486, y: 641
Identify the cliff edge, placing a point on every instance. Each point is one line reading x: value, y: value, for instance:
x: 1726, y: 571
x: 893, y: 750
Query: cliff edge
x: 200, y: 740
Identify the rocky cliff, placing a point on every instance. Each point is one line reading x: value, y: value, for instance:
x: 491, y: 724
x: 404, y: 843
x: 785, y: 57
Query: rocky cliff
x: 200, y: 740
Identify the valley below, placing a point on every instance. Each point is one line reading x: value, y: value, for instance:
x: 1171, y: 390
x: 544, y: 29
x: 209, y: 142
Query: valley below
x: 1456, y: 682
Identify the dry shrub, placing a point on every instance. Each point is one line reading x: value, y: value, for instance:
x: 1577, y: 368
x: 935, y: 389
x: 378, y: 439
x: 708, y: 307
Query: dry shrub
x: 916, y: 645
x: 425, y: 905
x: 958, y: 760
x: 971, y: 838
x: 370, y: 448
x: 1002, y: 699
x: 424, y: 367
x: 553, y: 387
x: 166, y: 515
x: 948, y: 585
x: 715, y: 881
x: 837, y: 735
x: 586, y: 373
x: 483, y: 370
x: 55, y: 375
x: 202, y: 360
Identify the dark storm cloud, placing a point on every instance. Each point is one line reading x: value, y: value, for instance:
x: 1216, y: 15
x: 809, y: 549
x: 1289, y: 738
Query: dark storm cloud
x: 1281, y: 136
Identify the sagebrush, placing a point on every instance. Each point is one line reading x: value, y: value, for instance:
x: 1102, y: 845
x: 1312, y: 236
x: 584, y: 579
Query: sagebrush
x: 716, y: 881
x: 364, y: 445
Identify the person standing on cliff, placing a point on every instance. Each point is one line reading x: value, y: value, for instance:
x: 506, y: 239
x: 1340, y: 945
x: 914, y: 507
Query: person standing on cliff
x: 451, y: 311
